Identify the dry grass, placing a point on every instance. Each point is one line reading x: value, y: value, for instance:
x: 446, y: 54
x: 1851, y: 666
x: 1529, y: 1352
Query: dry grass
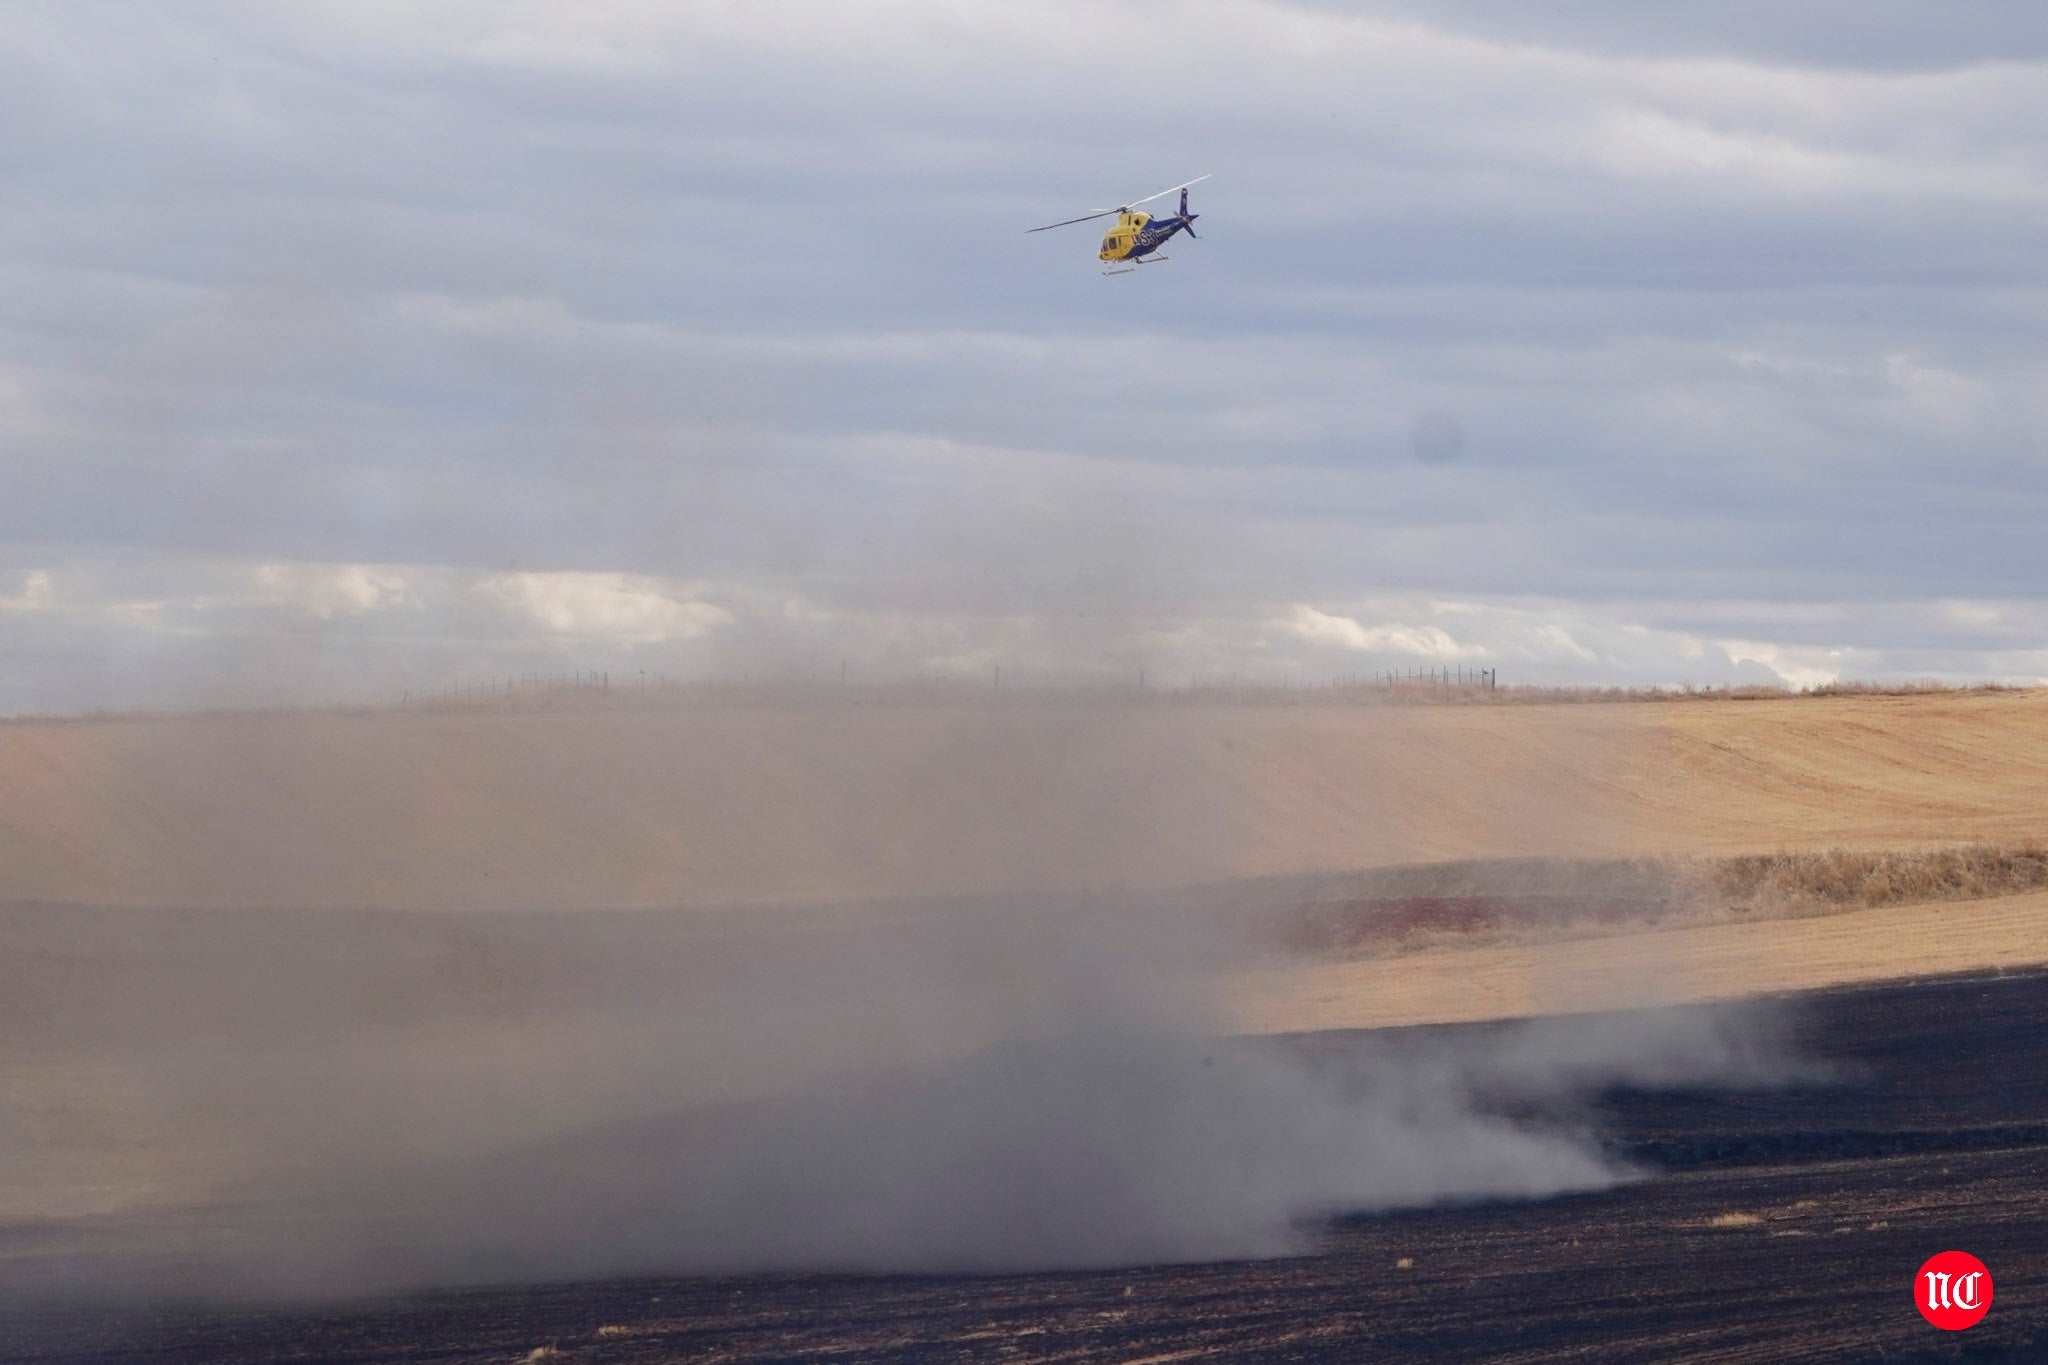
x: 1414, y: 909
x: 1424, y: 694
x: 511, y: 696
x: 1404, y: 692
x: 1023, y: 691
x: 1781, y: 885
x: 1734, y: 1220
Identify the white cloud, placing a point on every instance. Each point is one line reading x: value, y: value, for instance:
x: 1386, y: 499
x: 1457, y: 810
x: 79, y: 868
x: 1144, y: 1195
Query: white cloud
x: 1791, y: 366
x: 1555, y: 642
x: 323, y: 591
x: 38, y: 593
x: 626, y: 609
x: 1978, y: 614
x: 1941, y: 394
x: 1422, y: 642
x: 502, y: 317
x: 1798, y: 668
x: 1651, y: 143
x: 1558, y: 642
x: 21, y: 415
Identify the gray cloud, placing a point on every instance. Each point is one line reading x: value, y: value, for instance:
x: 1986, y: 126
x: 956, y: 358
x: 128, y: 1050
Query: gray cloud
x: 1891, y: 37
x: 1736, y: 308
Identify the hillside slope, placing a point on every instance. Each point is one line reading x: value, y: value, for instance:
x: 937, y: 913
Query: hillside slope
x: 788, y: 802
x: 1652, y: 967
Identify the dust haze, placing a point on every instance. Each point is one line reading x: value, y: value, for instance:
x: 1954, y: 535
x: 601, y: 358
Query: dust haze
x: 914, y: 986
x: 255, y: 1102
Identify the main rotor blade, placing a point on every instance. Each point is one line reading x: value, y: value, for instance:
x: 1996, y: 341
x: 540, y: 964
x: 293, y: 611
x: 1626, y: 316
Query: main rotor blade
x: 1122, y: 208
x: 1071, y: 221
x: 1168, y: 190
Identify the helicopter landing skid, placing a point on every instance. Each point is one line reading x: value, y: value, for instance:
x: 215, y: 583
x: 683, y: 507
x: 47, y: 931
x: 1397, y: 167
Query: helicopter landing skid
x: 1154, y: 260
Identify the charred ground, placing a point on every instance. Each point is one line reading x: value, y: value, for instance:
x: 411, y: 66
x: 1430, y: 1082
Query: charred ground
x: 1774, y: 1225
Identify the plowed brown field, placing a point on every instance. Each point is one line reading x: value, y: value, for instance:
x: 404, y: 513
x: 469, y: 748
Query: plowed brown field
x: 763, y: 804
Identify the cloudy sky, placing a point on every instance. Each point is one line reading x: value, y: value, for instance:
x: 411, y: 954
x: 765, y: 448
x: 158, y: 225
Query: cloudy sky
x: 356, y: 346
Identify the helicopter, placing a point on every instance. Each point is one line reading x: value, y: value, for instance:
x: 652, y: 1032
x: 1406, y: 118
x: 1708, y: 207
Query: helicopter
x: 1136, y: 235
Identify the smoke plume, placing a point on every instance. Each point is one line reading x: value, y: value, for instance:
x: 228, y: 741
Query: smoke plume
x: 1026, y: 1082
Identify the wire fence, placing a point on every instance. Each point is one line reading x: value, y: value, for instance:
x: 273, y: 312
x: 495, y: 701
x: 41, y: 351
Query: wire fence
x: 640, y: 687
x: 1484, y: 678
x: 511, y: 685
x: 1004, y: 686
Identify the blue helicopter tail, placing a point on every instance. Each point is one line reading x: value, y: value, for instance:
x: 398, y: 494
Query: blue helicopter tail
x: 1186, y: 217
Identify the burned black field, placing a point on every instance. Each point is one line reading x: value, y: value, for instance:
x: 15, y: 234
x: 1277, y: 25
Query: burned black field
x: 1775, y: 1226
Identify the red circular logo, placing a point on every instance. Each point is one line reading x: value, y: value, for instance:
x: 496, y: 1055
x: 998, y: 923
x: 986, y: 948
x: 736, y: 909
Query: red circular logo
x: 1953, y: 1290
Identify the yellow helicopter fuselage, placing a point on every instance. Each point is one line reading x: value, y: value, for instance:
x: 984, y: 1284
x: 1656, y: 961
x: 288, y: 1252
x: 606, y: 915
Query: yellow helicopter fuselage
x: 1118, y: 241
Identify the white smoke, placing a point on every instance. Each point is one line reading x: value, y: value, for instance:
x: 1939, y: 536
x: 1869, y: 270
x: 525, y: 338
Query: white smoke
x: 1009, y: 1085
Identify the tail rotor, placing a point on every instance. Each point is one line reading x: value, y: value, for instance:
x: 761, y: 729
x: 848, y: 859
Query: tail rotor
x: 1186, y: 217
